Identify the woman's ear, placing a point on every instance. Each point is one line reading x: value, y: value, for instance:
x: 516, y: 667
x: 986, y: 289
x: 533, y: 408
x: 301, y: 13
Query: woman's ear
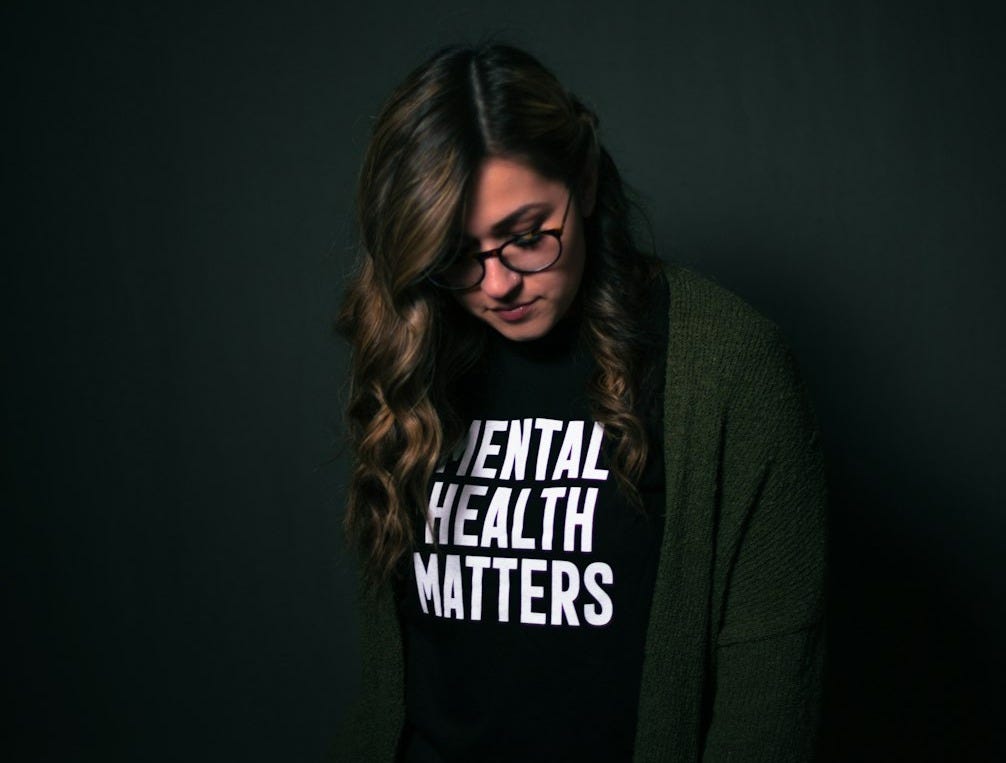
x: 588, y: 191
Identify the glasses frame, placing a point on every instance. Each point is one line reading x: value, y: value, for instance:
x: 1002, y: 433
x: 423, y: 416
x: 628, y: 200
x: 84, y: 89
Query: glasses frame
x: 481, y: 257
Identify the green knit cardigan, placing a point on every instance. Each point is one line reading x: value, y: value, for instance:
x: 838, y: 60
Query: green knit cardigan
x: 734, y: 648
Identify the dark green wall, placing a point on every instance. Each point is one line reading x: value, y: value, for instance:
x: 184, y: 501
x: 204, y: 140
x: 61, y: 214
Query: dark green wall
x: 178, y: 224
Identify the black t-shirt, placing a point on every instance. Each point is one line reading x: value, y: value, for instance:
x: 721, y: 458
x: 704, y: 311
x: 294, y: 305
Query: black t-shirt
x: 525, y: 601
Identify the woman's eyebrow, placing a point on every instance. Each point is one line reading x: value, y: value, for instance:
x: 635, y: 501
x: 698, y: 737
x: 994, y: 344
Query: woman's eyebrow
x: 506, y: 225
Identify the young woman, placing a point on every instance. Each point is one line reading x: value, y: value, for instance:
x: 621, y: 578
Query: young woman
x: 587, y: 491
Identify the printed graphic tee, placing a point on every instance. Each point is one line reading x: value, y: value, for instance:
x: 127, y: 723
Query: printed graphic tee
x: 525, y: 602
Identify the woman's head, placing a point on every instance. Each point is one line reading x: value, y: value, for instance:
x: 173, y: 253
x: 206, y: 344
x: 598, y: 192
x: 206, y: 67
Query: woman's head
x: 469, y: 132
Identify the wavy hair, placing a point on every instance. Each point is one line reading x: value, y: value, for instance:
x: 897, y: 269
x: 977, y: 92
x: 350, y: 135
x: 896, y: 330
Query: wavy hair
x: 411, y: 343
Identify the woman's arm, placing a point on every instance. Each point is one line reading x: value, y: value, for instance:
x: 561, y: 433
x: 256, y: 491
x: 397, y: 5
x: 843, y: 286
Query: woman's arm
x: 768, y: 647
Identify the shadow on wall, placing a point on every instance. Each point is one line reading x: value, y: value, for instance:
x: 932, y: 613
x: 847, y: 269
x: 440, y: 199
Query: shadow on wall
x: 911, y: 659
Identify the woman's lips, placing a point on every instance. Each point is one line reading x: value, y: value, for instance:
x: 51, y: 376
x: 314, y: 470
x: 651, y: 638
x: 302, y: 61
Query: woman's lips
x: 515, y: 313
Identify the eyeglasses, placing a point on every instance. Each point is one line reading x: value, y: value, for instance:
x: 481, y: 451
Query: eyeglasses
x: 525, y: 253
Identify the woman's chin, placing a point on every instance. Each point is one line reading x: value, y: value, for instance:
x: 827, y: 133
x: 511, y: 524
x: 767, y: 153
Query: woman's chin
x: 521, y: 330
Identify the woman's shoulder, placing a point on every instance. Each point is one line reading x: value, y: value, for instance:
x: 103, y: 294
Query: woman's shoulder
x: 714, y: 330
x: 699, y: 297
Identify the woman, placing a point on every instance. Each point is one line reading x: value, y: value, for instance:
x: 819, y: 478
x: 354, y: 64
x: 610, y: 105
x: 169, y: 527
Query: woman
x: 587, y: 491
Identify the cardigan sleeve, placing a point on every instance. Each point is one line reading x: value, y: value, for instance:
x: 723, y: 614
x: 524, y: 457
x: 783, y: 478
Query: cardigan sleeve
x: 767, y: 652
x: 371, y: 727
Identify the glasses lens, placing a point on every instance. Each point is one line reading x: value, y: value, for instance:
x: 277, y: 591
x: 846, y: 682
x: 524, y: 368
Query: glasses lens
x: 532, y: 252
x: 529, y: 253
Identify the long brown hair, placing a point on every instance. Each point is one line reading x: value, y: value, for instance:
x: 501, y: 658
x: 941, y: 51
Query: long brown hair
x: 410, y: 343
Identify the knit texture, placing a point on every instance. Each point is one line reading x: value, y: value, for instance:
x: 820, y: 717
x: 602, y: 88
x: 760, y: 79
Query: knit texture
x: 734, y: 646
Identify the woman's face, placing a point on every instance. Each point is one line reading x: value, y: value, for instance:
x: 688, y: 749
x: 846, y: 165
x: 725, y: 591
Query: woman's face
x: 510, y: 198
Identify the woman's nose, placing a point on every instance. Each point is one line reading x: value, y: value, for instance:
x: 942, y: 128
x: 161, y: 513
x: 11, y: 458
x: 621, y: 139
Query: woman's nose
x: 500, y: 282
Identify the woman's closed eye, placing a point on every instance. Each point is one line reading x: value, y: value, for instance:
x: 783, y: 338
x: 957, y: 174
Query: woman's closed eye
x: 528, y: 240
